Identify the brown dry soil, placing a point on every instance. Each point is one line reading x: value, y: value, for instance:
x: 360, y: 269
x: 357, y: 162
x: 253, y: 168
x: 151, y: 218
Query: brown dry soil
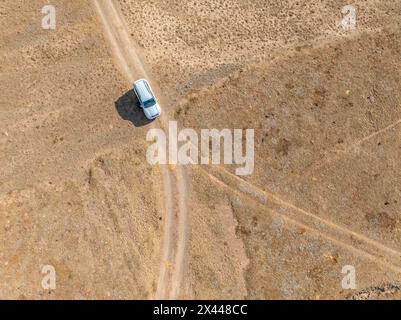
x: 76, y: 191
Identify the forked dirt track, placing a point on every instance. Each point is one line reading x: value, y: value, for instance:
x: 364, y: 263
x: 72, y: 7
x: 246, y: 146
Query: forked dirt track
x: 175, y: 181
x: 371, y: 249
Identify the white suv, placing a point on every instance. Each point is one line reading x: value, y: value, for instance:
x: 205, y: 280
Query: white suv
x: 147, y: 99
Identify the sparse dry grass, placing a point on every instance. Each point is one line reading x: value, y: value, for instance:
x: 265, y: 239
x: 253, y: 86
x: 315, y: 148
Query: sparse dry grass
x: 76, y: 191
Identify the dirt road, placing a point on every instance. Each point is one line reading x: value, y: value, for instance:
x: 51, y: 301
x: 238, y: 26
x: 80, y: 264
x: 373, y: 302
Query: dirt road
x: 323, y: 229
x: 370, y: 249
x: 175, y: 179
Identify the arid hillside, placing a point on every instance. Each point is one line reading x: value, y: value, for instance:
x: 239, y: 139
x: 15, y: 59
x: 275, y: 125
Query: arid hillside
x: 77, y: 193
x: 324, y: 104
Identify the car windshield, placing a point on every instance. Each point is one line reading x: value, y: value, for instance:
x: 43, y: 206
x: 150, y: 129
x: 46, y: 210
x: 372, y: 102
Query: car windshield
x: 149, y: 103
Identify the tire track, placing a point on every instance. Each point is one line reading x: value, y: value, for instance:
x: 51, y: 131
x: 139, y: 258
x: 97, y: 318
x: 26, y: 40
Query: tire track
x: 341, y: 235
x: 175, y: 181
x: 337, y: 154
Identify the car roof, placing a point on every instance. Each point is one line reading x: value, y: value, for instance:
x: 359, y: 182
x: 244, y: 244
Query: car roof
x: 143, y: 90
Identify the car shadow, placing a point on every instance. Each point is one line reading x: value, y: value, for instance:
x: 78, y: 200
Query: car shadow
x: 128, y: 108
